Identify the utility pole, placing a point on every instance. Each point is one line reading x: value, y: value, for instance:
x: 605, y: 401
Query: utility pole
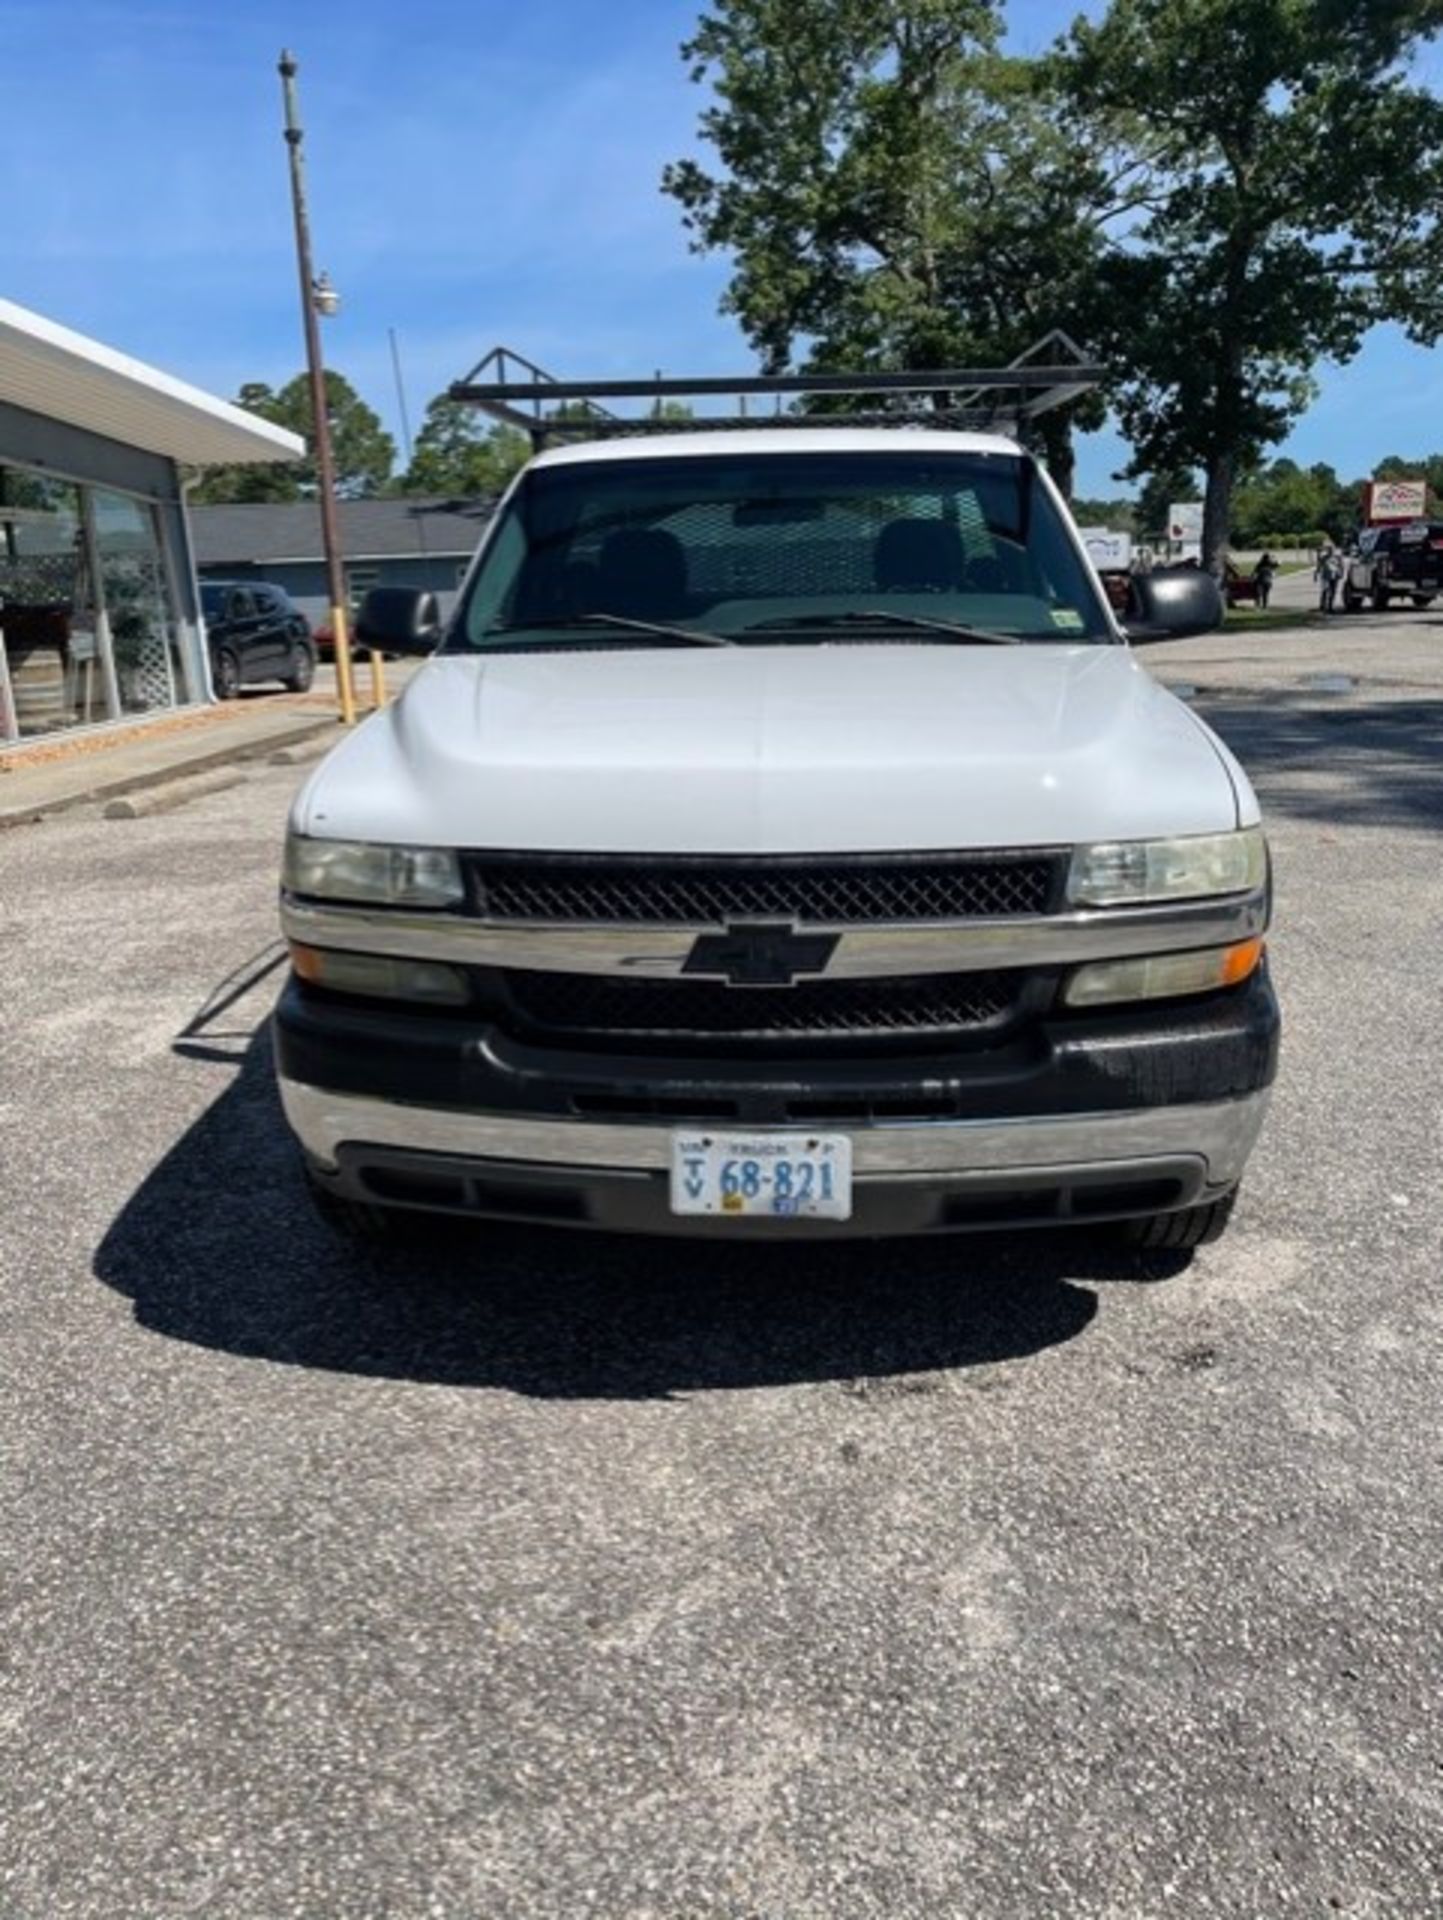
x: 317, y: 297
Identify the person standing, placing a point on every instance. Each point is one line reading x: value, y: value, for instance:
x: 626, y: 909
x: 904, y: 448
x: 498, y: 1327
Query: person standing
x: 1330, y: 573
x: 1263, y: 578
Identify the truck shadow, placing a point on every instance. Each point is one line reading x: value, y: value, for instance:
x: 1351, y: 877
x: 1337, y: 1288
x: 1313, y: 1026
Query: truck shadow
x: 220, y: 1246
x: 1358, y: 763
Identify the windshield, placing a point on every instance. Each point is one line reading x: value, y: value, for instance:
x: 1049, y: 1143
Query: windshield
x: 763, y: 549
x: 212, y: 601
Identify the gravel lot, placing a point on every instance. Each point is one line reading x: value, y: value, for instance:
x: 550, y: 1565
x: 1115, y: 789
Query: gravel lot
x: 539, y: 1576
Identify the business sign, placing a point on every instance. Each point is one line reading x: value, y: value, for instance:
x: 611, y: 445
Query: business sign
x: 1385, y: 500
x: 1108, y: 551
x: 1184, y: 521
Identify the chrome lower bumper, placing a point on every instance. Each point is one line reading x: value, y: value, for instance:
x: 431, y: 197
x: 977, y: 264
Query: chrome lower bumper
x: 1220, y: 1133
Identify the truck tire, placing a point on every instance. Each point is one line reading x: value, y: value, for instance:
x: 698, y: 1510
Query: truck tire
x: 1352, y: 602
x: 1191, y: 1227
x: 1421, y: 600
x: 1380, y: 599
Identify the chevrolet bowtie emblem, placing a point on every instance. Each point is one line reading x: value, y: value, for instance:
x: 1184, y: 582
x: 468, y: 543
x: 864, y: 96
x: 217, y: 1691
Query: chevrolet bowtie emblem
x: 761, y: 956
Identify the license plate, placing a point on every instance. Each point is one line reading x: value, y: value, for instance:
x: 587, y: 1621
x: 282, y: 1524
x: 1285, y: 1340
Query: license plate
x: 773, y: 1176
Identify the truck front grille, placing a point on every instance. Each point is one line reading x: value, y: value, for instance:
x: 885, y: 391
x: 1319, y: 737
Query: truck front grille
x: 576, y: 1007
x: 610, y: 889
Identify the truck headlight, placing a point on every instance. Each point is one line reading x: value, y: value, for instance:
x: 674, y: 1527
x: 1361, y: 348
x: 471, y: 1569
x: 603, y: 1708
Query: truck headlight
x: 1130, y: 873
x: 372, y: 875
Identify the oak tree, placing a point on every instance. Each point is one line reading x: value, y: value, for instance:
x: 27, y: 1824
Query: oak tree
x: 1294, y: 185
x: 361, y: 448
x: 458, y: 452
x: 894, y: 191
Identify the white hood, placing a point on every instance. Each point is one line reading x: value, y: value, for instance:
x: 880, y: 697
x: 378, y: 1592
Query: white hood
x: 789, y: 749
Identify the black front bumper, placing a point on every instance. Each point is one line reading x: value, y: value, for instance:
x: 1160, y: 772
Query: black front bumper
x: 1217, y: 1047
x: 1202, y: 1053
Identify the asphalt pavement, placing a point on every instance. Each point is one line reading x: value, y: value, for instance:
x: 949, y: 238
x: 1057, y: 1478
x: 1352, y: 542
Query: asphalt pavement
x: 526, y: 1575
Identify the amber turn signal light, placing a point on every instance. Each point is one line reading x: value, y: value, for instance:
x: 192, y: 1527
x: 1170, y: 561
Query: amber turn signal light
x: 1162, y: 976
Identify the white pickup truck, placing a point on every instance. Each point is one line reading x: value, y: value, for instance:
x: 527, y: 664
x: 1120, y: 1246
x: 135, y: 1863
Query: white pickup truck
x: 783, y: 839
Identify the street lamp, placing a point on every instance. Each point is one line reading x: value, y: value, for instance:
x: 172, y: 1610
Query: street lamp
x: 318, y: 297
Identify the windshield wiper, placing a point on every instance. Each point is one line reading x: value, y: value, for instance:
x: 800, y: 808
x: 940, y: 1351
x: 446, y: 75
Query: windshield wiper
x: 956, y: 630
x: 692, y: 636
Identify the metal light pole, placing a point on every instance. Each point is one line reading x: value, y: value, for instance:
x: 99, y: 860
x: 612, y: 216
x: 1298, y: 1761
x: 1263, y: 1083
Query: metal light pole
x: 317, y: 297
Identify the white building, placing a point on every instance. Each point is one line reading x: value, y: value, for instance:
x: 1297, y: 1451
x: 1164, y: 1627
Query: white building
x: 99, y: 614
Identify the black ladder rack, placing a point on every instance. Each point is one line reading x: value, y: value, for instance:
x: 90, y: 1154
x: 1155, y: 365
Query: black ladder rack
x: 993, y: 399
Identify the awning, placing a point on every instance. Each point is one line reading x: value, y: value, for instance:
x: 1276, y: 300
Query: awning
x: 52, y: 371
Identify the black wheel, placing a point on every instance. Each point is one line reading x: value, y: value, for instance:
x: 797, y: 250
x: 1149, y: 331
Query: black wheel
x: 1421, y: 600
x: 1380, y: 600
x: 225, y: 674
x: 303, y: 668
x: 1189, y: 1227
x: 1352, y: 603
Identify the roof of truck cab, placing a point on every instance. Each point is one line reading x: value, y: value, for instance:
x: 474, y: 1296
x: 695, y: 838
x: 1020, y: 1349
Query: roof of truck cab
x: 746, y: 440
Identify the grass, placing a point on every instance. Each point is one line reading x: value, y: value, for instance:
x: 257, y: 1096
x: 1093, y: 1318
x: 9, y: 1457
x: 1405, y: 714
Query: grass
x: 1266, y: 620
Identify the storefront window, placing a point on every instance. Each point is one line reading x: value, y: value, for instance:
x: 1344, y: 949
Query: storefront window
x: 132, y: 580
x: 88, y: 626
x: 47, y: 609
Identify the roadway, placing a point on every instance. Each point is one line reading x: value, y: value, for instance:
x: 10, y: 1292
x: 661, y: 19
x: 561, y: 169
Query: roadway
x: 525, y: 1575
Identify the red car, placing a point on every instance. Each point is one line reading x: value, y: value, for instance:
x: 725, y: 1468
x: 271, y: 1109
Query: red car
x: 325, y: 643
x: 1241, y: 588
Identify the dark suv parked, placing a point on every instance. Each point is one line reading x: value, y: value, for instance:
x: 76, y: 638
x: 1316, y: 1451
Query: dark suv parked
x: 256, y: 632
x: 1394, y: 562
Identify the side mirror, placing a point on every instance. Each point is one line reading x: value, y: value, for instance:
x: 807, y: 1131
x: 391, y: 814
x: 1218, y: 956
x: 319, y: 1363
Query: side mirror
x: 1171, y: 603
x: 399, y: 620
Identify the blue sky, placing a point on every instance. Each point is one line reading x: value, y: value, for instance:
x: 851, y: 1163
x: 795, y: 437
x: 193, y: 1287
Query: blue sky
x: 480, y: 171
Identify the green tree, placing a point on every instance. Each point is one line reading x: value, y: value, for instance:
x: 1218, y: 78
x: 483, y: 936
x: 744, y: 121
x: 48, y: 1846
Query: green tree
x: 1295, y: 177
x: 893, y: 191
x: 251, y: 483
x: 578, y: 413
x: 1341, y: 518
x: 1159, y: 491
x: 361, y: 448
x: 1286, y: 501
x: 457, y: 454
x: 1120, y: 515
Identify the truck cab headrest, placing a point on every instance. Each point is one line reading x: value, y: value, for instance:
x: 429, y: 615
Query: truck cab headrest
x: 918, y: 555
x: 641, y: 571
